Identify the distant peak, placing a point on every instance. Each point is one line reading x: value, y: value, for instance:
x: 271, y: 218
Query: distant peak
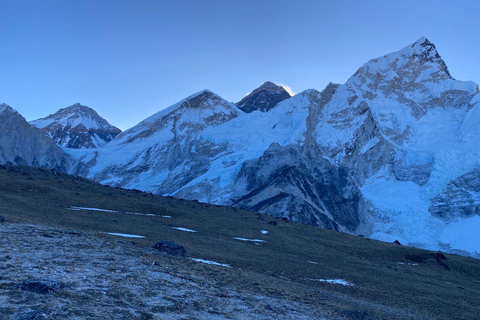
x: 203, y: 93
x: 264, y: 98
x: 77, y: 106
x: 269, y: 85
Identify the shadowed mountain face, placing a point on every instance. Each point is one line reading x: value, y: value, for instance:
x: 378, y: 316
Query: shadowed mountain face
x: 22, y: 144
x: 264, y: 98
x: 77, y: 127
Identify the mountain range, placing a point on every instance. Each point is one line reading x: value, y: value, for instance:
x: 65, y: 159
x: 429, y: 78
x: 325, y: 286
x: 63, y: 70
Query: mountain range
x: 392, y: 154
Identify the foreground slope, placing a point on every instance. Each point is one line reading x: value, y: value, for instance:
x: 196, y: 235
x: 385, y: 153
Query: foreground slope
x: 22, y: 144
x: 280, y: 277
x: 77, y: 127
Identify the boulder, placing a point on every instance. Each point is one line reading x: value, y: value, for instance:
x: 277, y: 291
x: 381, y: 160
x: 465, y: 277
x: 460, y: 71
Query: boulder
x: 170, y: 247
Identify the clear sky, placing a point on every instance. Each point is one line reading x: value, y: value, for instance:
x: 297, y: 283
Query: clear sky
x: 130, y: 59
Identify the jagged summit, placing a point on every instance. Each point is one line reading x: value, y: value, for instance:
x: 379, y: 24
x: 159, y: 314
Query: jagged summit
x: 406, y: 70
x: 77, y: 127
x: 264, y: 98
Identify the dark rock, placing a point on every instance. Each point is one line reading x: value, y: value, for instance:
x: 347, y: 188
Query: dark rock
x: 264, y: 98
x: 439, y: 257
x: 273, y: 223
x: 397, y: 242
x: 2, y: 219
x: 170, y: 247
x: 41, y: 286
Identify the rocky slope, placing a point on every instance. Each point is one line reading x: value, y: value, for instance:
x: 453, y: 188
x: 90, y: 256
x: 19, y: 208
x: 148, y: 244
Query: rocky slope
x: 378, y: 155
x: 77, y: 127
x: 22, y: 144
x: 264, y: 98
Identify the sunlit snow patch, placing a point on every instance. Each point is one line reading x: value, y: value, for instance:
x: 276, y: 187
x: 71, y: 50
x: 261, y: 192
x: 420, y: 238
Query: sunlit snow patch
x: 335, y: 281
x: 184, y: 229
x: 312, y: 262
x: 252, y: 240
x: 126, y: 235
x: 168, y: 217
x: 140, y: 214
x: 264, y: 231
x: 91, y: 209
x: 211, y: 262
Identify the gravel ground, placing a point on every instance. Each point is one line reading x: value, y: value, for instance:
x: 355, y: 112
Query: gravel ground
x: 48, y: 273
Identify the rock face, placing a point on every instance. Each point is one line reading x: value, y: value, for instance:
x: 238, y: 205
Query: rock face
x: 77, y: 127
x: 264, y: 98
x: 392, y: 153
x: 460, y: 198
x: 22, y: 144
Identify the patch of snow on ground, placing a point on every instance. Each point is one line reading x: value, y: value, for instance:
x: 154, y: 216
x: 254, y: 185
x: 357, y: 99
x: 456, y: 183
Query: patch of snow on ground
x: 126, y: 235
x: 211, y: 262
x: 410, y: 264
x: 167, y: 217
x: 91, y: 209
x: 140, y: 214
x: 184, y: 229
x: 252, y: 240
x: 312, y: 262
x: 335, y: 281
x: 264, y: 231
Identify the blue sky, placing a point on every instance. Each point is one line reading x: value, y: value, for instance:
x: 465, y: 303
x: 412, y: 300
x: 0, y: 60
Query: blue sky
x: 130, y: 59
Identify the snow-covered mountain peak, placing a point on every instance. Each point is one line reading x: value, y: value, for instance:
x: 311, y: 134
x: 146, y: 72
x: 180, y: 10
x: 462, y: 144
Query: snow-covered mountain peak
x: 192, y: 114
x: 77, y: 127
x: 73, y: 116
x: 264, y: 98
x: 417, y: 63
